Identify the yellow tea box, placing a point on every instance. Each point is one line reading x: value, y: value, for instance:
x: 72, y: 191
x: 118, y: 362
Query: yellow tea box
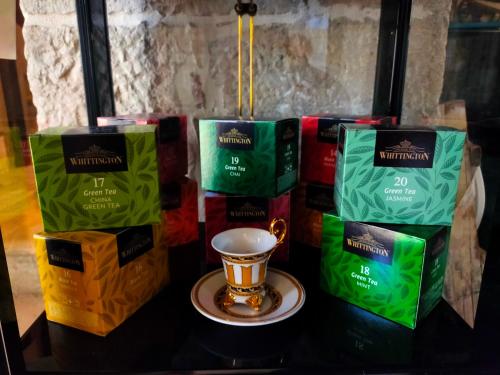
x: 94, y: 280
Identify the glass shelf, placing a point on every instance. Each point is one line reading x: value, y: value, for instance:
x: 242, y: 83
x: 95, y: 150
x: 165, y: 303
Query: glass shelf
x: 168, y: 334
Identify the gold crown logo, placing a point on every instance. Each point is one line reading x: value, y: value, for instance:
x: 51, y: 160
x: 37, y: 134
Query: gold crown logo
x: 235, y: 133
x: 405, y: 146
x: 289, y: 133
x: 96, y: 151
x: 248, y: 206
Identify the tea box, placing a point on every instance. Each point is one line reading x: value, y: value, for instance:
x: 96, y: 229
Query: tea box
x: 407, y: 175
x: 396, y: 271
x: 180, y: 211
x: 223, y: 212
x: 172, y: 140
x: 319, y: 143
x: 94, y: 280
x: 249, y: 157
x: 309, y: 201
x: 91, y: 178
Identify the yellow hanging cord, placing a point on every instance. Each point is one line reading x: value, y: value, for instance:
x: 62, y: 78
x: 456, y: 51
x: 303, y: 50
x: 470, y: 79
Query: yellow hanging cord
x: 250, y: 93
x: 241, y: 9
x: 240, y: 89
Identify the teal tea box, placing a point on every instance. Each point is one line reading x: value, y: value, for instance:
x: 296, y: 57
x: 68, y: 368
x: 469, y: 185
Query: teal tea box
x: 400, y: 176
x: 396, y: 271
x: 92, y: 178
x: 249, y: 157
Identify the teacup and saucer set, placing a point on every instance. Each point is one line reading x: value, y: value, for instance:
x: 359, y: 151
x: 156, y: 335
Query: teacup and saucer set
x: 246, y: 292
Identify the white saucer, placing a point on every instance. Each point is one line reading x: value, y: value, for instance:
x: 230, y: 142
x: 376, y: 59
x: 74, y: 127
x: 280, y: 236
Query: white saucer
x: 285, y: 296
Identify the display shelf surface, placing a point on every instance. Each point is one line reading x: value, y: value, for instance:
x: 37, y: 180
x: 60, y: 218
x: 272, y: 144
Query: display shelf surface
x: 169, y: 335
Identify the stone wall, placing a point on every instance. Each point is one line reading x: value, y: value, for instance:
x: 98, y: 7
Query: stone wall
x: 180, y: 56
x: 52, y: 51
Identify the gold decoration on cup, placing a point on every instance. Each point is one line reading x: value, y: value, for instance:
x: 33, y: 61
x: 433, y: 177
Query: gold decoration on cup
x: 245, y: 253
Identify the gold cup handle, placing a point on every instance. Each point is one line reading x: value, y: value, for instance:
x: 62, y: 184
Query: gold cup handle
x: 279, y: 232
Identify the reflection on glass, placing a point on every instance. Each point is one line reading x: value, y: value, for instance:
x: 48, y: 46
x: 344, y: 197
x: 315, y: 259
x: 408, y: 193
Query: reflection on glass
x: 360, y: 335
x: 19, y: 216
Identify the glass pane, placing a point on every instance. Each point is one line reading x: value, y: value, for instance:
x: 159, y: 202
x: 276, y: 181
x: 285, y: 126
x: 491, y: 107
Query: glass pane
x: 34, y: 93
x: 452, y: 78
x: 310, y: 56
x: 182, y: 56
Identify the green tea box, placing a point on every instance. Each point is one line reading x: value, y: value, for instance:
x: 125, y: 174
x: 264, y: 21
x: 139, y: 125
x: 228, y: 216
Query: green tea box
x: 405, y: 175
x: 249, y: 157
x: 395, y: 271
x: 93, y: 178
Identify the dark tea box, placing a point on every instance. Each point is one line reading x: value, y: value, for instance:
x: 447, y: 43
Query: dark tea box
x: 309, y: 201
x: 172, y: 140
x: 92, y: 178
x: 249, y: 157
x: 180, y: 211
x: 405, y: 175
x: 94, y: 280
x: 223, y: 212
x: 319, y: 143
x: 396, y: 271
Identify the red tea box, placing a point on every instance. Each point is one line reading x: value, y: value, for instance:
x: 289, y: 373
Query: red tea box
x: 223, y: 212
x: 179, y: 202
x: 319, y: 143
x: 309, y: 203
x: 172, y: 140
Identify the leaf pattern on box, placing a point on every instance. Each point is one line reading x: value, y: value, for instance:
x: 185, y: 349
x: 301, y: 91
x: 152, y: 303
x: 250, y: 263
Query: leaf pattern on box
x: 435, y: 188
x: 104, y: 292
x: 367, y: 199
x: 396, y: 295
x: 62, y: 197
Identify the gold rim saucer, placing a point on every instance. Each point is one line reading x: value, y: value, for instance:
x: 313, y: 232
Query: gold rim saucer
x: 285, y: 296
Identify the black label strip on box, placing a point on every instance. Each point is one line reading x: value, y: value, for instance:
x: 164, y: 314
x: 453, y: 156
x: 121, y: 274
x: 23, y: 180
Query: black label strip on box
x: 288, y: 131
x: 404, y: 148
x: 170, y: 129
x: 327, y: 130
x: 437, y: 244
x: 89, y: 153
x: 236, y: 135
x: 319, y: 197
x: 247, y: 209
x: 65, y: 254
x: 341, y: 140
x: 133, y: 242
x: 171, y: 196
x: 369, y: 242
x: 109, y: 129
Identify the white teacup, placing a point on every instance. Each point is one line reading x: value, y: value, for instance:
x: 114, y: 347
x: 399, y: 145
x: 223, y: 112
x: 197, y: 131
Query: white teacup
x: 245, y: 253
